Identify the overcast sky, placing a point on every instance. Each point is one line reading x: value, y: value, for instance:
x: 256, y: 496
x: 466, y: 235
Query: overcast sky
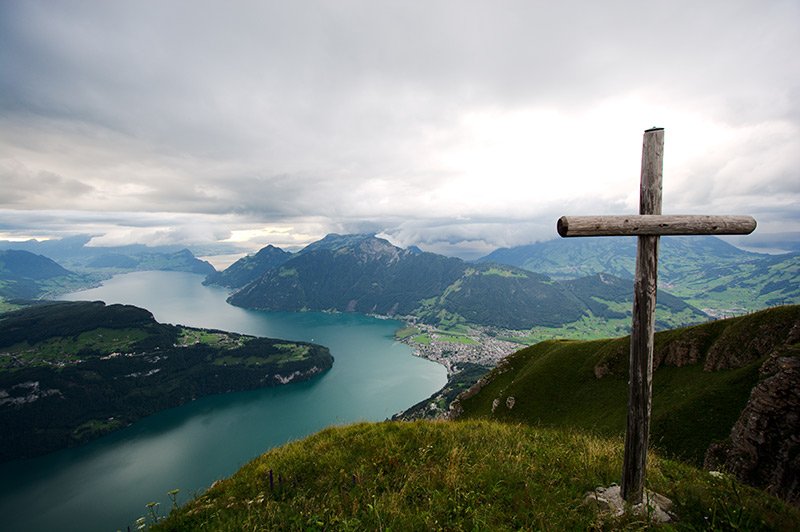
x: 458, y: 126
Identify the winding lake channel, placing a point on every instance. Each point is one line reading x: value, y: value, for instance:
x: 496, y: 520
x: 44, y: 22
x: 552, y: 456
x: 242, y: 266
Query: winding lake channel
x: 106, y: 484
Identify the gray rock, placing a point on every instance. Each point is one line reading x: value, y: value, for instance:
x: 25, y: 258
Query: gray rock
x: 609, y: 500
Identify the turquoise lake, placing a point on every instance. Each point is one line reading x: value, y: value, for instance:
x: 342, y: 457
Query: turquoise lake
x: 106, y: 484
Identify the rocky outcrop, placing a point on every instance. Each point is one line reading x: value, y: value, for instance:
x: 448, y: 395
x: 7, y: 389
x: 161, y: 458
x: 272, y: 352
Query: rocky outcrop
x: 654, y: 508
x: 737, y: 346
x: 682, y: 351
x: 764, y: 446
x: 726, y: 344
x: 675, y: 351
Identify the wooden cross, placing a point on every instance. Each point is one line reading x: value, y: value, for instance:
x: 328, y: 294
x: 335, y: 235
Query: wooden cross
x: 649, y: 225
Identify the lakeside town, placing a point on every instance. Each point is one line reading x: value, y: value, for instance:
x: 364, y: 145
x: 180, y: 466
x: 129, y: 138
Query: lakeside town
x: 473, y: 345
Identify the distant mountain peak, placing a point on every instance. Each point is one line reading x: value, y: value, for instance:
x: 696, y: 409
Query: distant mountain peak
x: 362, y: 245
x: 334, y: 241
x: 250, y: 267
x: 269, y: 251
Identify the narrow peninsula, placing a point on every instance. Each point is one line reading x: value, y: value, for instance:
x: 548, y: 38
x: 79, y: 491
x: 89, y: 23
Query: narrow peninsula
x: 73, y: 371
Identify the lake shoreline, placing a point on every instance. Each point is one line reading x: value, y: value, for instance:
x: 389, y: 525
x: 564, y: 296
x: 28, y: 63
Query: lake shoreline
x: 110, y: 480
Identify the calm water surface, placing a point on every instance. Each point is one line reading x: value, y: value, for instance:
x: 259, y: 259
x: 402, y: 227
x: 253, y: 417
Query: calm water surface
x: 106, y: 484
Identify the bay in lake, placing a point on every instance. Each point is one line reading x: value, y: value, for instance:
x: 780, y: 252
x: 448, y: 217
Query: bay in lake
x: 106, y: 484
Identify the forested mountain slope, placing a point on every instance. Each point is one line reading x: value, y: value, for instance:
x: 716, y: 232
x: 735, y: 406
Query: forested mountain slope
x: 363, y: 273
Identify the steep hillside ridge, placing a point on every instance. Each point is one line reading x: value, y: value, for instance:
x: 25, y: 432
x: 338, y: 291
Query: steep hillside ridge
x: 475, y: 475
x: 363, y: 273
x: 702, y: 384
x: 249, y: 268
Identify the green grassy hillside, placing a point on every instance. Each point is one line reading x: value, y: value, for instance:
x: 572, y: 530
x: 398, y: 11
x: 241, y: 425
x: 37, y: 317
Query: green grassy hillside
x: 703, y: 379
x: 473, y: 475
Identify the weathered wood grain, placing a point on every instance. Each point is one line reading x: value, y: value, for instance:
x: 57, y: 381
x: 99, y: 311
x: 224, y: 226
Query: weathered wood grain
x: 640, y: 388
x: 680, y: 224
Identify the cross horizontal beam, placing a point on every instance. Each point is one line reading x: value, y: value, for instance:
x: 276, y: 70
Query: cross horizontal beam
x: 654, y: 224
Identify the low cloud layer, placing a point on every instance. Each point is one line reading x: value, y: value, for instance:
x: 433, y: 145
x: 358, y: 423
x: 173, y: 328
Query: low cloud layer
x: 457, y: 126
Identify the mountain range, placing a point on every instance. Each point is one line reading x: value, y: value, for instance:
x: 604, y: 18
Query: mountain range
x: 33, y: 270
x: 75, y: 254
x: 568, y: 284
x: 706, y: 272
x: 364, y: 273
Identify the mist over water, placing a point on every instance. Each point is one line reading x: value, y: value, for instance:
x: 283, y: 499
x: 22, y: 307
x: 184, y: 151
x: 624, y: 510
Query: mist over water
x: 106, y: 484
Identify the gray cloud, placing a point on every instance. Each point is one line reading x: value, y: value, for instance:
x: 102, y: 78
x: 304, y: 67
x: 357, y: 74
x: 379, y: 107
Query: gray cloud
x: 25, y: 187
x: 392, y: 117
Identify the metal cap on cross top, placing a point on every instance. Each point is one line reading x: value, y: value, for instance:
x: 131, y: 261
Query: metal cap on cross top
x: 648, y: 226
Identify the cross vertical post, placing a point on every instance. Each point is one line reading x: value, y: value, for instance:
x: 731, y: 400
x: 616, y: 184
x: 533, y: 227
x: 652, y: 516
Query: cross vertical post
x: 648, y: 226
x: 640, y: 378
